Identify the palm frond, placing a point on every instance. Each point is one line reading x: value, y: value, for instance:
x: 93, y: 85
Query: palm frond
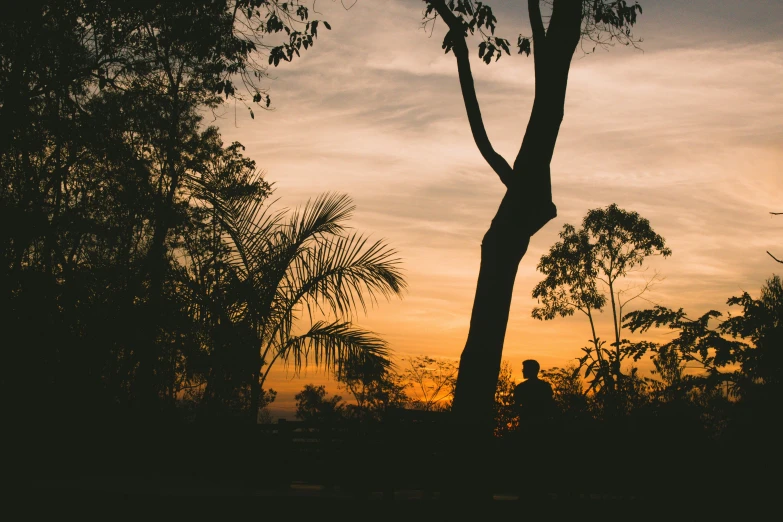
x: 311, y: 264
x: 339, y: 278
x: 266, y: 247
x: 246, y: 217
x: 330, y: 345
x: 319, y: 218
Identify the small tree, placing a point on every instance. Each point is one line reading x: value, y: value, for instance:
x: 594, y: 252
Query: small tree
x: 742, y: 361
x: 264, y: 413
x: 375, y: 389
x: 431, y: 382
x: 313, y: 405
x: 583, y: 271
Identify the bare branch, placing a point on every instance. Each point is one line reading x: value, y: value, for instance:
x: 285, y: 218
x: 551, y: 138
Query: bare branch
x: 648, y: 284
x: 773, y: 257
x: 768, y: 252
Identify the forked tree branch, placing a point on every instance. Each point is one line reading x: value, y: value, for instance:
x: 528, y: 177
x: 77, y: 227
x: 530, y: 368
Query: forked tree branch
x: 460, y: 49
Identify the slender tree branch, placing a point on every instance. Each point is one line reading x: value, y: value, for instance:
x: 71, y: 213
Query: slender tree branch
x: 648, y: 284
x: 768, y: 252
x: 460, y: 49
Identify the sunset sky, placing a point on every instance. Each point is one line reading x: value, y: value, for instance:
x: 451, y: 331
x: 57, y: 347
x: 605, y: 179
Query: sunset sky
x: 687, y: 131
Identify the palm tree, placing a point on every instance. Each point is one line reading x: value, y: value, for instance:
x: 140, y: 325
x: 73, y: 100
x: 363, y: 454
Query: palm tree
x: 291, y: 266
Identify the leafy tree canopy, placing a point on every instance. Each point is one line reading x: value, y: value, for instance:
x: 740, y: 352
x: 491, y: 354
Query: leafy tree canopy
x: 611, y: 242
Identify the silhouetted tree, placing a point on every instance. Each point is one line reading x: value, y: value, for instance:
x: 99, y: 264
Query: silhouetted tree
x: 307, y: 262
x: 264, y: 413
x: 712, y: 346
x: 761, y: 322
x: 375, y: 389
x: 431, y: 382
x: 753, y: 423
x: 527, y: 205
x: 731, y: 388
x: 220, y: 374
x: 179, y: 56
x: 313, y: 405
x: 585, y: 264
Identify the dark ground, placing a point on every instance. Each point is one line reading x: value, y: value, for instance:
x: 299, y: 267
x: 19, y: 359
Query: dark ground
x: 117, y: 497
x: 109, y: 474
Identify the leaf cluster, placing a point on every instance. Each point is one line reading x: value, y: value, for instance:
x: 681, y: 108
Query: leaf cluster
x: 571, y: 274
x: 608, y: 22
x: 604, y: 22
x: 473, y: 18
x: 696, y: 340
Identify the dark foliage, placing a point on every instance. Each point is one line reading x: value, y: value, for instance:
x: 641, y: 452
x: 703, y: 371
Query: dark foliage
x: 142, y: 273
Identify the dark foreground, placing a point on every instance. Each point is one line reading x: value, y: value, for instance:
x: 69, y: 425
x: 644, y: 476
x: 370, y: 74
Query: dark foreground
x: 115, y: 497
x: 400, y: 472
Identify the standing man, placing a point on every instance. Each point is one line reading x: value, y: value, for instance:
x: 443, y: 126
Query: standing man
x: 533, y: 398
x: 535, y: 404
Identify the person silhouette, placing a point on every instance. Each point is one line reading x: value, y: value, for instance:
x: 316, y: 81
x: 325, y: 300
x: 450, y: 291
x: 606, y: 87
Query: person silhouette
x: 533, y: 398
x: 535, y: 405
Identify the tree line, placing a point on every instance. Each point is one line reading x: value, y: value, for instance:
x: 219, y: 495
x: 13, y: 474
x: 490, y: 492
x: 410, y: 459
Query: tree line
x: 421, y: 383
x: 718, y: 372
x: 710, y: 359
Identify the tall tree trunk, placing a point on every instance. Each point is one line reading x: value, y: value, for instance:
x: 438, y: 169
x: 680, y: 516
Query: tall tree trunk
x: 526, y: 207
x: 502, y: 249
